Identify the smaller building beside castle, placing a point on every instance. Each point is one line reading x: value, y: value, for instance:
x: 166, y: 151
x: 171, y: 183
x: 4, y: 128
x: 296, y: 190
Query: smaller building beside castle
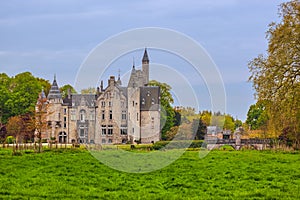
x: 115, y: 114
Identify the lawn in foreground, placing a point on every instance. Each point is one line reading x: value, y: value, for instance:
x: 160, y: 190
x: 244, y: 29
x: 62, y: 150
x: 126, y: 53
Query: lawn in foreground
x: 75, y: 174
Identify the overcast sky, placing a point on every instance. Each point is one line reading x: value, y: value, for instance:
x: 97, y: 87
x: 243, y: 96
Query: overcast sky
x: 54, y: 37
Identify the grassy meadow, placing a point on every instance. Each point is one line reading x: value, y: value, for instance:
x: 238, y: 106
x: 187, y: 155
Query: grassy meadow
x: 76, y: 174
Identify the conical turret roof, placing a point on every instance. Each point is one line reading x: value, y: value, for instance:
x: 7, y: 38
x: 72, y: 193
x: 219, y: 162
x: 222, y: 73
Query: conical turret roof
x: 54, y: 92
x: 145, y: 57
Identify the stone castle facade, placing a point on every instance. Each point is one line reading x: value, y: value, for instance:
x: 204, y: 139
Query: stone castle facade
x: 115, y: 114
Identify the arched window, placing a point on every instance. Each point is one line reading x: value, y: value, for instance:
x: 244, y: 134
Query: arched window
x: 82, y: 115
x: 103, y: 141
x: 62, y: 137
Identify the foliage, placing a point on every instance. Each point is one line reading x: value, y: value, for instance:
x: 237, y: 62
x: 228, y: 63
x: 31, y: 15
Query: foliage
x: 178, y: 144
x: 90, y: 90
x: 275, y: 76
x: 10, y: 139
x: 18, y: 94
x: 67, y: 89
x: 199, y: 128
x: 76, y: 174
x: 167, y: 112
x: 257, y: 116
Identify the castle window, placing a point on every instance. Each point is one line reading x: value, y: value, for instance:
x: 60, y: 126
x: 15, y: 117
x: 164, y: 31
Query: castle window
x: 123, y: 115
x: 109, y: 141
x: 81, y: 132
x: 73, y: 115
x: 103, y: 130
x: 110, y: 104
x: 103, y: 114
x: 65, y: 122
x: 110, y: 130
x: 152, y: 122
x: 82, y: 115
x: 103, y: 141
x: 92, y: 115
x: 110, y: 114
x: 123, y: 131
x: 102, y: 103
x: 65, y: 111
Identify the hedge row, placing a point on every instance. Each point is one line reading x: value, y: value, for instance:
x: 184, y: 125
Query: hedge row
x: 179, y: 144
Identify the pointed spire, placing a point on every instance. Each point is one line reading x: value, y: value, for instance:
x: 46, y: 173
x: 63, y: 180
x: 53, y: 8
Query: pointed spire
x: 54, y: 92
x: 133, y: 64
x: 145, y: 57
x: 119, y: 78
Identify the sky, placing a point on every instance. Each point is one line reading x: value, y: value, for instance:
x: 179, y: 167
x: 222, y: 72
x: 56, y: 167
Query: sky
x: 55, y: 37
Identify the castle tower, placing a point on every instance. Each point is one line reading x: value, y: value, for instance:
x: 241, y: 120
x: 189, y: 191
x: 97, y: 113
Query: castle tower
x: 54, y: 95
x: 145, y: 66
x: 55, y: 108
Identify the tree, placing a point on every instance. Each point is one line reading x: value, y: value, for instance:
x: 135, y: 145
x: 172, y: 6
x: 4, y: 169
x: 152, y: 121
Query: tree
x: 257, y: 116
x: 199, y: 128
x: 167, y: 112
x: 24, y: 89
x: 45, y: 85
x: 15, y: 127
x: 66, y: 89
x: 40, y: 118
x: 89, y: 90
x: 4, y: 96
x: 276, y: 76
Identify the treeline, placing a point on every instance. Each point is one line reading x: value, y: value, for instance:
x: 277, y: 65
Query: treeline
x: 189, y: 125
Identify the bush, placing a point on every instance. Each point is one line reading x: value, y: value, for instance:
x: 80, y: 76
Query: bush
x: 10, y: 139
x: 178, y: 144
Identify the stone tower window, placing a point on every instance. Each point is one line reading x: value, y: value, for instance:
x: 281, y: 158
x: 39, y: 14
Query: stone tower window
x: 82, y: 115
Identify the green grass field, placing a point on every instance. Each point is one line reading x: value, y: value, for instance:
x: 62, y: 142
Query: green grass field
x: 75, y: 174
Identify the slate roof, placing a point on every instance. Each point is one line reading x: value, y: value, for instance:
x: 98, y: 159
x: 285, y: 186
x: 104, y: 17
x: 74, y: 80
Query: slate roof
x: 54, y: 92
x: 150, y: 98
x: 84, y: 100
x: 145, y: 57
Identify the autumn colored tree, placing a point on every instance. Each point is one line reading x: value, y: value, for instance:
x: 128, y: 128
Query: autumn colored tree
x: 15, y: 127
x: 40, y: 118
x: 276, y: 76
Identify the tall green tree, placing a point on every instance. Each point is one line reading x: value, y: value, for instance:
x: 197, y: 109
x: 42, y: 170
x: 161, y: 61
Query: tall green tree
x: 4, y: 96
x: 24, y: 89
x: 167, y: 111
x: 276, y: 76
x: 65, y: 89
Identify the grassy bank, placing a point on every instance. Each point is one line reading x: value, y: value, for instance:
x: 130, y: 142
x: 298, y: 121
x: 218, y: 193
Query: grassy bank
x: 75, y: 174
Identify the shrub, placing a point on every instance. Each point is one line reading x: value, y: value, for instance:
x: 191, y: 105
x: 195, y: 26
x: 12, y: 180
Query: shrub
x: 10, y: 139
x: 178, y: 144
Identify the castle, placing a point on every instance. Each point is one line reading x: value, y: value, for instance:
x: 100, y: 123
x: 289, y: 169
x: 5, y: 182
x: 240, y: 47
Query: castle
x: 114, y: 115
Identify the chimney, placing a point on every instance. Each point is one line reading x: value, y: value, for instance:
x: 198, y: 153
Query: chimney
x: 101, y: 86
x: 111, y: 81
